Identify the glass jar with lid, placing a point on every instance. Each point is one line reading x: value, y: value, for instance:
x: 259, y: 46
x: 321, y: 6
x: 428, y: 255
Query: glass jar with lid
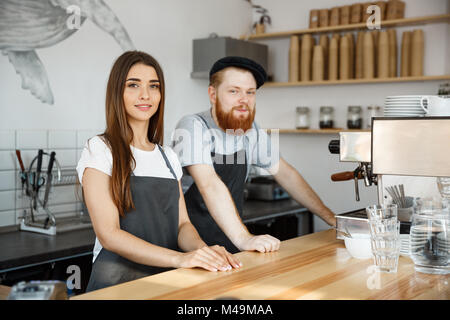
x: 326, y: 117
x: 302, y: 119
x: 372, y: 112
x: 354, y: 117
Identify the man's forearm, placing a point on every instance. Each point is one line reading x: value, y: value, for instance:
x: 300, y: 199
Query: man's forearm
x: 302, y: 192
x: 221, y: 206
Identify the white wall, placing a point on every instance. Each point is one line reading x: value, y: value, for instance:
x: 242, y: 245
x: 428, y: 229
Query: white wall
x: 78, y: 68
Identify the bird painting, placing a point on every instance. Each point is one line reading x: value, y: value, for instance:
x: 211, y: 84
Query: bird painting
x: 27, y: 25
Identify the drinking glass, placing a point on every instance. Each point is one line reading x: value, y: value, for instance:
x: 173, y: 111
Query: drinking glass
x: 385, y: 242
x: 429, y: 237
x: 381, y: 212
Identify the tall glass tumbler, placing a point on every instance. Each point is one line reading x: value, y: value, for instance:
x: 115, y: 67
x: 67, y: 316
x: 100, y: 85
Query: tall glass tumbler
x: 386, y: 243
x: 383, y: 211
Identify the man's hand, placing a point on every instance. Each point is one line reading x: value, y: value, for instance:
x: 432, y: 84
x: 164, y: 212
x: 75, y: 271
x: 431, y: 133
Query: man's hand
x: 263, y: 243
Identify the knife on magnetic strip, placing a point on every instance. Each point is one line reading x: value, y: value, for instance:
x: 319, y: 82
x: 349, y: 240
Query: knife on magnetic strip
x: 49, y: 178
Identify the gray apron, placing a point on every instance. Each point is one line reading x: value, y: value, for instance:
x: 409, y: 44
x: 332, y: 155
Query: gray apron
x: 154, y: 220
x: 233, y: 176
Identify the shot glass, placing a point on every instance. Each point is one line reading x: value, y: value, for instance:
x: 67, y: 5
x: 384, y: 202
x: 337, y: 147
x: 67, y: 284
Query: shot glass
x: 386, y: 243
x: 382, y: 212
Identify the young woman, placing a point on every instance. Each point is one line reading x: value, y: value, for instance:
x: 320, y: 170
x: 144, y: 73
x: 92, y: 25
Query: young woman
x: 131, y: 185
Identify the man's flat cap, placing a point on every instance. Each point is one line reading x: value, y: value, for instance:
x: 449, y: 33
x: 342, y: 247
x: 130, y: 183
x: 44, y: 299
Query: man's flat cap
x: 244, y: 63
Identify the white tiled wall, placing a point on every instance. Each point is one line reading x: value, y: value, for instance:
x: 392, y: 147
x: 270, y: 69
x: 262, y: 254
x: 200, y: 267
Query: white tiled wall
x: 68, y: 144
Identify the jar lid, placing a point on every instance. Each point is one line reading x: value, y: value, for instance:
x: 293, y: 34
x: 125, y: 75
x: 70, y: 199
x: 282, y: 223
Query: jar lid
x: 354, y: 108
x: 302, y: 109
x: 326, y: 109
x: 374, y: 107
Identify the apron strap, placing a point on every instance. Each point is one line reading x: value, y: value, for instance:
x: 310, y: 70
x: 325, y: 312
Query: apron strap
x: 167, y: 162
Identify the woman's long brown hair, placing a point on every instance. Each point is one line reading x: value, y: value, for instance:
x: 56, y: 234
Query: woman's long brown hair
x: 118, y: 134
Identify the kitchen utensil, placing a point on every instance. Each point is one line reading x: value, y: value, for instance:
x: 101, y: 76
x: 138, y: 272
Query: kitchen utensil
x: 364, y: 14
x: 49, y: 177
x: 344, y: 58
x: 294, y: 59
x: 313, y: 18
x: 383, y: 55
x: 334, y: 16
x: 323, y: 41
x: 23, y: 175
x: 382, y: 6
x: 356, y: 13
x: 344, y: 17
x: 318, y: 64
x: 392, y: 39
x: 417, y: 53
x: 323, y: 18
x: 36, y: 184
x: 305, y: 57
x: 368, y: 56
x: 405, y: 70
x: 351, y: 56
x: 435, y: 105
x: 359, y: 55
x: 333, y: 57
x: 395, y: 9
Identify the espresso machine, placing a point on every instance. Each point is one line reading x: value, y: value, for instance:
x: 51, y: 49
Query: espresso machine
x: 396, y: 147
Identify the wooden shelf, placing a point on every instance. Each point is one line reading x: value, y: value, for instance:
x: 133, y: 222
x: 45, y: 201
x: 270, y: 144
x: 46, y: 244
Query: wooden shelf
x: 355, y: 81
x: 318, y: 131
x: 356, y: 26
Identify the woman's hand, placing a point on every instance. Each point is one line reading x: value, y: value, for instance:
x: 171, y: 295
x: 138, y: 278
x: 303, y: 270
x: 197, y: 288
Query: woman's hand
x: 212, y: 258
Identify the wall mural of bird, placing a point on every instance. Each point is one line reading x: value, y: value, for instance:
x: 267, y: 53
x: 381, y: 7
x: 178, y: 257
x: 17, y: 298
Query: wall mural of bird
x: 27, y: 25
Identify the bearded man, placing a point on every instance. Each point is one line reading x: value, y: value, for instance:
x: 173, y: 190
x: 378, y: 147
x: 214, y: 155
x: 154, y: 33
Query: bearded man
x: 217, y: 147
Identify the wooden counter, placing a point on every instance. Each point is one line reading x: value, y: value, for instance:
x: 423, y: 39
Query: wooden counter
x: 315, y: 266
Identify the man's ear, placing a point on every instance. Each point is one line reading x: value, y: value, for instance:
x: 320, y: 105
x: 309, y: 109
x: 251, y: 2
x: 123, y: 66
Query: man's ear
x: 212, y: 93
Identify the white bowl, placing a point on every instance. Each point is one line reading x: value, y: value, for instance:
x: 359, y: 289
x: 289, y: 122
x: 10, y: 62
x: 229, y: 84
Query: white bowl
x: 359, y: 246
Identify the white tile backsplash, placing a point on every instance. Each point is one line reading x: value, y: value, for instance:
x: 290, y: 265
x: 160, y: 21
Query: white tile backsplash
x: 8, y: 160
x: 66, y: 143
x: 7, y: 200
x: 31, y: 139
x: 7, y: 180
x: 84, y: 135
x: 7, y: 218
x: 66, y: 158
x: 7, y: 140
x: 62, y: 139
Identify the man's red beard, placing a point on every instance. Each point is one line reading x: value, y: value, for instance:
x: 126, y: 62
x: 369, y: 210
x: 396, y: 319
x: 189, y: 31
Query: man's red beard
x: 227, y: 120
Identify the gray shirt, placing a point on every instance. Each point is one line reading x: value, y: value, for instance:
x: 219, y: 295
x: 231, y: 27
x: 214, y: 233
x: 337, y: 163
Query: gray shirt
x: 194, y: 139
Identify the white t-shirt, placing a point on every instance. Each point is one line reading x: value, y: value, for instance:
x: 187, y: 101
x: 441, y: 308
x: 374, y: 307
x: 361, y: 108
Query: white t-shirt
x: 96, y: 154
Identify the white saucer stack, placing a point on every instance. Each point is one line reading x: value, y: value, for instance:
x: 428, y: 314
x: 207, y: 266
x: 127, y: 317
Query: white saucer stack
x: 403, y: 106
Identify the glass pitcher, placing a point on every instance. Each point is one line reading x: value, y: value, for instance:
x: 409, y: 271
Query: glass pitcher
x: 429, y: 236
